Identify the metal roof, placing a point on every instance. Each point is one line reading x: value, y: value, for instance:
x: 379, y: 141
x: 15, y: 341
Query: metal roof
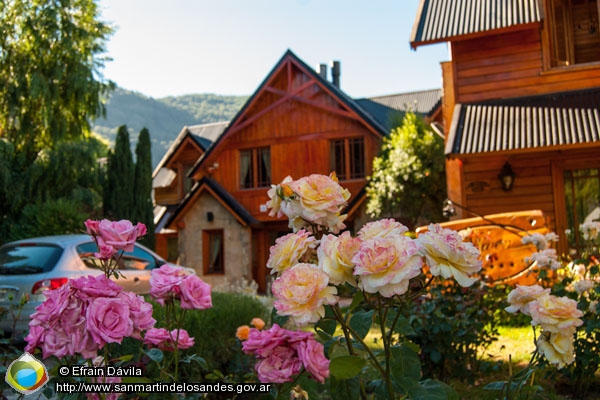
x: 422, y: 102
x: 440, y: 20
x: 560, y: 119
x: 389, y: 109
x: 204, y: 135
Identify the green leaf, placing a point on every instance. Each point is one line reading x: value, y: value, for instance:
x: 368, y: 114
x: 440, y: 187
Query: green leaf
x: 403, y: 326
x: 405, y: 363
x: 361, y: 322
x: 499, y: 385
x: 345, y: 388
x: 326, y: 326
x: 125, y: 358
x: 155, y: 355
x: 197, y: 359
x: 346, y: 367
x: 357, y: 300
x: 278, y: 319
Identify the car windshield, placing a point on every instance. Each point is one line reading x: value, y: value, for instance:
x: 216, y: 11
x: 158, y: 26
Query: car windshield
x: 28, y: 258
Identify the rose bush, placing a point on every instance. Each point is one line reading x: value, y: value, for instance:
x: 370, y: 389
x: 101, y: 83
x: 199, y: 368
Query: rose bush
x: 83, y: 320
x: 384, y: 269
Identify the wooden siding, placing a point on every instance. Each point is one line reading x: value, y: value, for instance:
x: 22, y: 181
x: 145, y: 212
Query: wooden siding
x: 292, y: 153
x: 537, y: 185
x: 511, y: 65
x: 296, y: 118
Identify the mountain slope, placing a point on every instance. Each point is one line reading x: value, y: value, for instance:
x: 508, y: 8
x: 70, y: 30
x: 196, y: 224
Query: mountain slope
x: 164, y: 117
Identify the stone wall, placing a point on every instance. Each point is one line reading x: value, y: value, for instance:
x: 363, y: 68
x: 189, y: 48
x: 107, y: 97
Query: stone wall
x: 237, y: 241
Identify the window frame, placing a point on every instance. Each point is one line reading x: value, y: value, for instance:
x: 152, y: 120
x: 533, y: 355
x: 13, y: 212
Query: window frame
x: 567, y: 36
x: 207, y: 248
x: 351, y: 170
x: 255, y: 168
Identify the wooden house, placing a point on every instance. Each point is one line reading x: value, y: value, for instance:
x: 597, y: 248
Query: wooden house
x: 521, y: 106
x: 211, y: 211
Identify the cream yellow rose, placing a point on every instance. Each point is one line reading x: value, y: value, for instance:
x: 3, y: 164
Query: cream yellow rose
x: 302, y: 293
x: 289, y: 250
x: 520, y: 297
x: 386, y: 265
x: 447, y: 255
x: 335, y: 257
x: 555, y: 314
x: 557, y: 348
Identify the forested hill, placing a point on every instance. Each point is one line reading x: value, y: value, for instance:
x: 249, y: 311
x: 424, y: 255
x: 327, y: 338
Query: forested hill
x: 163, y: 117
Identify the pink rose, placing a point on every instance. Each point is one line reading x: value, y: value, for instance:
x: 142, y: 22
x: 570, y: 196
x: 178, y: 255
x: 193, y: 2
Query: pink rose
x: 105, y: 251
x: 263, y: 342
x: 140, y: 311
x: 34, y: 338
x: 312, y: 355
x: 195, y: 293
x: 302, y: 293
x: 165, y: 340
x: 55, y: 343
x: 386, y: 265
x: 280, y: 366
x: 51, y: 309
x: 83, y: 343
x: 182, y: 338
x: 120, y: 234
x: 109, y: 320
x: 156, y: 336
x: 165, y: 282
x: 91, y: 287
x: 92, y: 227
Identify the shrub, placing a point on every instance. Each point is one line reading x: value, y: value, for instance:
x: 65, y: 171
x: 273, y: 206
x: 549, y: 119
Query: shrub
x: 451, y: 326
x: 214, y: 330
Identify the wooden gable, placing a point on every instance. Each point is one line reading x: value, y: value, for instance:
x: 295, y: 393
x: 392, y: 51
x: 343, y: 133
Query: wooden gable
x: 295, y: 114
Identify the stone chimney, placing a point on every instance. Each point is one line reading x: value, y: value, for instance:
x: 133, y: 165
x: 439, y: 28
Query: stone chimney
x: 323, y: 71
x: 335, y: 73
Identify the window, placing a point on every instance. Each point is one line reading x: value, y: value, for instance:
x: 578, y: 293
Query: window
x: 348, y: 158
x: 138, y: 259
x: 212, y: 254
x: 255, y: 168
x: 582, y: 199
x: 574, y: 31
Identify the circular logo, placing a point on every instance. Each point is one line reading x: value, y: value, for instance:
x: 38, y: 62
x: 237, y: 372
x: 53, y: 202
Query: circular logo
x: 26, y: 374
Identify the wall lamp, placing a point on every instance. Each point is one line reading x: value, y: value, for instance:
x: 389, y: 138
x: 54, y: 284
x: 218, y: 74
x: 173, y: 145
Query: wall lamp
x: 507, y: 177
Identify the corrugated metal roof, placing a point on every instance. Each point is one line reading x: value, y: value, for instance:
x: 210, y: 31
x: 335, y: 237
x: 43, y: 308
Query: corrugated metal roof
x: 440, y: 20
x: 525, y: 123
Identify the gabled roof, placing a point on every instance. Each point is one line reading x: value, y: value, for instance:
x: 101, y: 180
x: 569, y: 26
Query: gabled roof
x: 208, y: 185
x: 536, y: 122
x: 204, y: 135
x: 391, y: 108
x: 443, y: 20
x: 290, y: 57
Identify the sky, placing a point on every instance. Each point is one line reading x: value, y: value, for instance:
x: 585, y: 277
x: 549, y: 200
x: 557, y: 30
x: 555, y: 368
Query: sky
x: 166, y: 48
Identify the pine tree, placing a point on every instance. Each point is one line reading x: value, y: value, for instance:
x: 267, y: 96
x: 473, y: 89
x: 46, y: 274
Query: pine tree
x: 142, y: 187
x: 120, y: 179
